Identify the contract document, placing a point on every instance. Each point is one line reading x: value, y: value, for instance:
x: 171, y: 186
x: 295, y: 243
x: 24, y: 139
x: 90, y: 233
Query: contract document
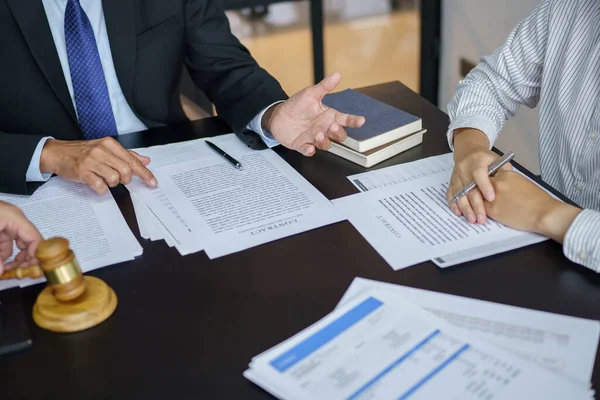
x: 409, y: 202
x: 150, y: 226
x: 390, y: 176
x: 93, y: 224
x: 160, y: 219
x: 560, y: 343
x: 378, y: 346
x: 208, y: 204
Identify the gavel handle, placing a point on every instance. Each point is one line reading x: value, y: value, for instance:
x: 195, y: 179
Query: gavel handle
x: 32, y: 272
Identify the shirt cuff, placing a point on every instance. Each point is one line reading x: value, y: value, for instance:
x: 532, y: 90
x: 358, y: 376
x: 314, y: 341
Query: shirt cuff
x: 483, y: 124
x: 582, y: 243
x: 256, y: 126
x: 33, y: 172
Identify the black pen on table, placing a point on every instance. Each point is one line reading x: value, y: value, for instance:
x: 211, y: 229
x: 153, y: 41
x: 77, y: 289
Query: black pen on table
x: 226, y: 156
x: 505, y: 159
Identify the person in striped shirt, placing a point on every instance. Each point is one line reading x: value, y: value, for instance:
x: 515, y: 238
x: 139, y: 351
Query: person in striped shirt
x: 552, y: 58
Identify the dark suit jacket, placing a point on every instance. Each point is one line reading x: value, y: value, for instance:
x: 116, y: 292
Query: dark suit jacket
x: 151, y: 41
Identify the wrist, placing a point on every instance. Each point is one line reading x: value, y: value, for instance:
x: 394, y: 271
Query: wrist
x: 555, y: 220
x: 469, y: 140
x: 268, y: 117
x: 47, y: 158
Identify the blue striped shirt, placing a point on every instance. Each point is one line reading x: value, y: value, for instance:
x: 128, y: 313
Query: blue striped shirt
x: 552, y: 58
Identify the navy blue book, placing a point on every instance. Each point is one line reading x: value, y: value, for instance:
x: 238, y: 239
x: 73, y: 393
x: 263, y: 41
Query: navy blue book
x: 385, y: 124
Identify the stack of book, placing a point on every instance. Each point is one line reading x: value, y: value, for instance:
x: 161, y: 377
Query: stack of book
x: 387, y: 132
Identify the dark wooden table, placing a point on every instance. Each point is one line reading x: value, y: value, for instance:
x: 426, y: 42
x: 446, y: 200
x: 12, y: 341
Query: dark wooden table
x: 186, y: 327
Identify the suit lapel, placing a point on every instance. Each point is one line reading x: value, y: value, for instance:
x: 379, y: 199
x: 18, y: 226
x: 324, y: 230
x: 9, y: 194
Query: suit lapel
x: 120, y: 25
x: 32, y: 20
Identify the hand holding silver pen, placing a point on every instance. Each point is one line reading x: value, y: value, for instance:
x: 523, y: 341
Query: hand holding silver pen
x: 505, y: 159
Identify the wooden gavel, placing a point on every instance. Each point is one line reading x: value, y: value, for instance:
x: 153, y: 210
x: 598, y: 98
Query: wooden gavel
x: 70, y: 302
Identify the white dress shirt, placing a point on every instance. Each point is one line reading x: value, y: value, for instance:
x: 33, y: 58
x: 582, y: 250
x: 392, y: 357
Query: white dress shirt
x: 551, y: 58
x: 125, y: 118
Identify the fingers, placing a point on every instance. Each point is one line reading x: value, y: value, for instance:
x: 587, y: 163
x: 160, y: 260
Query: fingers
x: 473, y: 168
x: 322, y: 88
x: 478, y: 207
x: 455, y: 209
x: 463, y: 205
x: 466, y: 209
x: 349, y: 120
x: 307, y: 149
x: 22, y: 260
x: 481, y: 177
x: 19, y: 230
x: 454, y: 187
x: 134, y: 161
x: 27, y: 242
x: 475, y: 210
x: 506, y: 167
x: 115, y: 170
x: 28, y: 238
x: 122, y: 169
x: 6, y: 246
x: 140, y: 170
x: 13, y: 264
x: 30, y: 262
x: 108, y: 174
x: 322, y: 141
x: 337, y: 133
x: 95, y: 182
x: 145, y: 160
x: 454, y: 206
x: 26, y: 248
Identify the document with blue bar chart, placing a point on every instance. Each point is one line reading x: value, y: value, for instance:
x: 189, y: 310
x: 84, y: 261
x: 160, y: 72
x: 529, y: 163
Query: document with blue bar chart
x: 564, y: 344
x: 378, y: 346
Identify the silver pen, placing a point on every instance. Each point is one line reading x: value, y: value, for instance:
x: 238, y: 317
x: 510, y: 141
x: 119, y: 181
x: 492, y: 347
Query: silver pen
x: 506, y: 158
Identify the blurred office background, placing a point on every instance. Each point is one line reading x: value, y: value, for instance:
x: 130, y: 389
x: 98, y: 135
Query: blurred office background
x: 370, y: 41
x: 428, y: 45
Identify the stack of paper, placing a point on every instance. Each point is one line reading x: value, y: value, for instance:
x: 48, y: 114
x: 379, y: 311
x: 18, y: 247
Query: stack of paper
x: 93, y: 224
x: 150, y: 226
x: 566, y: 345
x: 404, y: 215
x: 204, y: 203
x: 378, y: 345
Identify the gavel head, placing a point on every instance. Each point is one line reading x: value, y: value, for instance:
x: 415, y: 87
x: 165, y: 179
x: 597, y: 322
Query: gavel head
x: 61, y: 269
x: 70, y: 302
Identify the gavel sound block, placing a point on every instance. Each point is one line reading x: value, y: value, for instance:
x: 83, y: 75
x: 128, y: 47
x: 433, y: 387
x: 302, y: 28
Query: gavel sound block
x: 70, y: 302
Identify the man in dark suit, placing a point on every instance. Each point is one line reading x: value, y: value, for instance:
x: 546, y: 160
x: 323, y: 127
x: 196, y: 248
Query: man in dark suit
x: 76, y: 73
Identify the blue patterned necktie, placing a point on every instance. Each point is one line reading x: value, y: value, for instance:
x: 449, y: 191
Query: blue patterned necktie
x: 89, y: 84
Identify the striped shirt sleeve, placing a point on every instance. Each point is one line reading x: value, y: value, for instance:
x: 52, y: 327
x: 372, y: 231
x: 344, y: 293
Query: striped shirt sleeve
x: 582, y: 241
x: 511, y: 76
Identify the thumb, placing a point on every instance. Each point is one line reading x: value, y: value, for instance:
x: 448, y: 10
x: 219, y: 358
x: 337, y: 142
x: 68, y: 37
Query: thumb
x: 328, y: 84
x: 1, y: 267
x: 507, y: 167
